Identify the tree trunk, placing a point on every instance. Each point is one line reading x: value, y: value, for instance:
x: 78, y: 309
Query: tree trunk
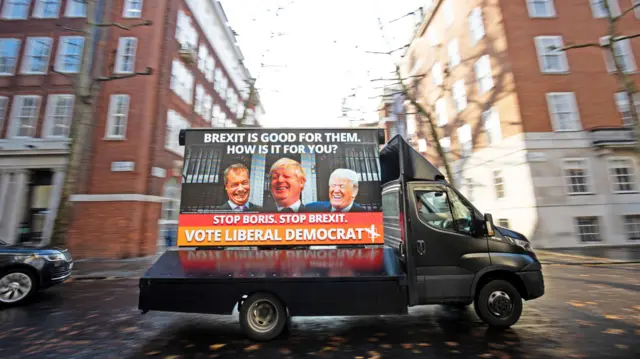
x: 81, y: 126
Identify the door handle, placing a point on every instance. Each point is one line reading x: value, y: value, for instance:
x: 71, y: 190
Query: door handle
x: 421, y: 247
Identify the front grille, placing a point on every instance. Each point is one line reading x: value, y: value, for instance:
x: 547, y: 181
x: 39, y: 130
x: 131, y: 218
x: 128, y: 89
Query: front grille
x: 60, y: 271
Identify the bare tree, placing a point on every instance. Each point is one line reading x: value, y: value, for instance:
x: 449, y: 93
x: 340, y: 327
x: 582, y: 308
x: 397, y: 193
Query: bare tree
x: 620, y: 69
x: 86, y: 86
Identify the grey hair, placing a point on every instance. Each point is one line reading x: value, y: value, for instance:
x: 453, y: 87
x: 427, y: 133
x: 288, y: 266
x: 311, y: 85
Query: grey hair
x: 346, y: 173
x: 284, y: 161
x: 234, y: 167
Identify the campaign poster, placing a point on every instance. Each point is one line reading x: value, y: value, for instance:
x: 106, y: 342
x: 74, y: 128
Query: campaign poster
x: 272, y: 187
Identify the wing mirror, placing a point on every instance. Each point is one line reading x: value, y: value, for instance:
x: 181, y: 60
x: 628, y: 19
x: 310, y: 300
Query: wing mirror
x: 488, y: 222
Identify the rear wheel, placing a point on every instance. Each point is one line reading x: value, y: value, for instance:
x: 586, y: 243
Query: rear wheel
x: 262, y: 316
x: 498, y: 304
x: 16, y: 286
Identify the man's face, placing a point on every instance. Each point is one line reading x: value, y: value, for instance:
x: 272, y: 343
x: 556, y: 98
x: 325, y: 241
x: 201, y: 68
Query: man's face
x: 238, y: 186
x: 285, y: 185
x: 341, y: 193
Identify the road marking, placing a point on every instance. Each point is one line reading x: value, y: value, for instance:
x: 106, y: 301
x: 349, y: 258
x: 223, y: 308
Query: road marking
x: 578, y: 256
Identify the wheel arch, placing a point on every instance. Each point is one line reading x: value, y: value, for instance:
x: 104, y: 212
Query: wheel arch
x: 33, y: 271
x: 498, y: 272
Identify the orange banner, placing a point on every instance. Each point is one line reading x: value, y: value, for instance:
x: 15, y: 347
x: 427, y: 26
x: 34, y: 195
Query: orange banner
x: 290, y: 235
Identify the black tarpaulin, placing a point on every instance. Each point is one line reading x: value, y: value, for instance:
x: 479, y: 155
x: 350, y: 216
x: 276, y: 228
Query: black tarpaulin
x: 398, y: 158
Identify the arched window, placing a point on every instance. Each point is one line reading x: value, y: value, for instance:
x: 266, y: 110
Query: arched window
x: 171, y: 201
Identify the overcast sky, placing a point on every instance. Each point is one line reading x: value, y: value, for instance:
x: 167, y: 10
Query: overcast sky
x: 316, y: 56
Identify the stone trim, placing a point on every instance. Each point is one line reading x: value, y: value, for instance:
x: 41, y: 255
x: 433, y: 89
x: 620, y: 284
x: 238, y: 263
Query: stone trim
x: 126, y: 197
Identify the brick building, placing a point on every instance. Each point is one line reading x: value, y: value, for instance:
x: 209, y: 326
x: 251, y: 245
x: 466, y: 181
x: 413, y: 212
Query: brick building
x: 539, y: 138
x: 129, y: 193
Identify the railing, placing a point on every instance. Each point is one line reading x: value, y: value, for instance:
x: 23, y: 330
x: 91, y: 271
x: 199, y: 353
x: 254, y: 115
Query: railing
x: 612, y: 136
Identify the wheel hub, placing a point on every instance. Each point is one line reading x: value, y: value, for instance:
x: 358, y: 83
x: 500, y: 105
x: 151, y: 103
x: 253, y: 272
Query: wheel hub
x: 262, y: 316
x: 14, y: 287
x: 500, y: 304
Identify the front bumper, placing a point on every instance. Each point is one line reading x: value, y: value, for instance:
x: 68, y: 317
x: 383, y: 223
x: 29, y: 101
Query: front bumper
x: 534, y: 283
x: 55, y: 273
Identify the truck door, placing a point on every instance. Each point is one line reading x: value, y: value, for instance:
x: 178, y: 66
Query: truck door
x: 446, y: 252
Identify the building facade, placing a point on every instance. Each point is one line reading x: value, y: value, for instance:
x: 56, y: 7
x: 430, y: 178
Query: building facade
x: 130, y: 186
x: 540, y: 138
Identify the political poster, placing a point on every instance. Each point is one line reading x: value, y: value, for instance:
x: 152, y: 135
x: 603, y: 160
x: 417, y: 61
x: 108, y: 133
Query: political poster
x: 274, y: 187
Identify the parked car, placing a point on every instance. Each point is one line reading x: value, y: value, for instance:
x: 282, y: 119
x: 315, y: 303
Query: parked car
x: 24, y: 270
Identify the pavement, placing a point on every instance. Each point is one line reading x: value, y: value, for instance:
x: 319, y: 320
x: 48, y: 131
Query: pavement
x: 588, y: 311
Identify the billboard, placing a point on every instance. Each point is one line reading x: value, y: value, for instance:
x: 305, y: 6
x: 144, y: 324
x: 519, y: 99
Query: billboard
x: 273, y: 187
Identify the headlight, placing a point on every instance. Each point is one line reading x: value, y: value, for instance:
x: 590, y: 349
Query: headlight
x: 522, y: 244
x: 54, y: 257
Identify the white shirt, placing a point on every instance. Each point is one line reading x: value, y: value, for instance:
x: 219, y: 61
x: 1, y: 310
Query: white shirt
x: 295, y: 207
x: 346, y: 209
x: 236, y: 206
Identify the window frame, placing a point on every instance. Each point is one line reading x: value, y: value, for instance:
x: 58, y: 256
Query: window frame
x: 633, y: 174
x: 14, y: 128
x: 39, y: 7
x: 495, y: 184
x: 576, y: 228
x: 479, y: 69
x: 626, y: 226
x: 111, y: 119
x: 491, y: 122
x: 614, y: 7
x: 476, y: 22
x: 16, y: 58
x: 622, y: 95
x: 63, y: 45
x: 466, y: 132
x: 117, y: 69
x: 5, y: 11
x: 26, y: 56
x: 551, y: 10
x: 629, y: 56
x: 542, y: 54
x: 588, y: 176
x: 573, y: 103
x: 48, y: 124
x: 3, y: 112
x: 459, y: 92
x: 453, y: 58
x: 72, y: 5
x: 126, y: 9
x: 441, y: 111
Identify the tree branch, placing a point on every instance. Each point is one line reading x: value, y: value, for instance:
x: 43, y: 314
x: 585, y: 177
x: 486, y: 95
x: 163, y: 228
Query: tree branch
x: 633, y: 7
x: 577, y: 46
x: 124, y: 27
x: 70, y: 29
x: 625, y: 37
x: 147, y: 71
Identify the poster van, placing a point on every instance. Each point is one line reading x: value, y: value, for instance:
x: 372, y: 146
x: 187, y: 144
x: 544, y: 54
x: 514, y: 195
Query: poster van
x: 273, y: 187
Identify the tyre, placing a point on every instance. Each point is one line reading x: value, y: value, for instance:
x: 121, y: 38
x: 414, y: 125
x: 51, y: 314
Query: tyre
x: 262, y: 317
x: 16, y: 286
x: 498, y: 304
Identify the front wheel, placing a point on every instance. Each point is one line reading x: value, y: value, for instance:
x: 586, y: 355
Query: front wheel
x: 16, y: 286
x: 262, y: 316
x: 499, y: 304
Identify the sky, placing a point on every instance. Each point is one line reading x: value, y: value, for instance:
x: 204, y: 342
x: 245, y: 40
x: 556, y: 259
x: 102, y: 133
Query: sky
x: 309, y: 55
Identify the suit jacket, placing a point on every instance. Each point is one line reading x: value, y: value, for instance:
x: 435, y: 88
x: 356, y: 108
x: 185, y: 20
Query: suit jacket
x: 325, y: 206
x: 272, y: 208
x: 250, y: 207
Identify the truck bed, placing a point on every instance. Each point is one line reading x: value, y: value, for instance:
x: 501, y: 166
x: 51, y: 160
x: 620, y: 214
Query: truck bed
x: 341, y: 281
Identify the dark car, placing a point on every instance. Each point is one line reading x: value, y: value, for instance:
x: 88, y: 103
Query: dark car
x: 24, y: 270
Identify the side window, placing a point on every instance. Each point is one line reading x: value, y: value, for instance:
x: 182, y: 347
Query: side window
x: 462, y: 213
x: 433, y: 208
x: 390, y: 204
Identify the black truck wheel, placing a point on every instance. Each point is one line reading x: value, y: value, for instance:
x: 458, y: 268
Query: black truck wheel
x: 262, y: 316
x: 498, y: 304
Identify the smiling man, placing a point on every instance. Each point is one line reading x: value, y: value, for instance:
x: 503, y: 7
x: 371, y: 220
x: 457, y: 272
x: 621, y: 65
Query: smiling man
x: 343, y: 189
x: 238, y: 188
x: 287, y: 183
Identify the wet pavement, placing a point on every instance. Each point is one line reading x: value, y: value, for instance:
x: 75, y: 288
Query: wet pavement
x: 587, y: 312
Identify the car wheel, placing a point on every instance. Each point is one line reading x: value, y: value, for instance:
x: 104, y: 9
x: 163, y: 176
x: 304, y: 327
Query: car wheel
x: 499, y: 304
x: 16, y: 286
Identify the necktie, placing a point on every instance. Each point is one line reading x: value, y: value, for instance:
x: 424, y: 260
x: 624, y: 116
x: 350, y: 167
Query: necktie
x: 287, y: 210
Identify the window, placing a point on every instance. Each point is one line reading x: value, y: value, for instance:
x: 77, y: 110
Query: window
x: 432, y: 36
x: 47, y: 9
x: 171, y: 200
x: 503, y: 222
x: 215, y: 115
x: 76, y: 8
x: 175, y: 123
x: 483, y: 74
x: 445, y: 143
x: 587, y: 228
x: 498, y: 183
x: 468, y: 182
x: 24, y: 116
x: 636, y: 4
x: 476, y: 25
x: 551, y: 61
x: 599, y: 9
x: 448, y: 12
x: 217, y: 82
x: 118, y: 116
x: 491, y: 121
x: 622, y: 103
x: 69, y: 57
x: 186, y: 33
x: 436, y: 74
x: 58, y: 116
x: 182, y: 81
x: 16, y: 9
x: 9, y: 49
x: 541, y: 8
x: 132, y: 8
x: 466, y: 140
x: 422, y: 145
x: 126, y: 57
x: 197, y: 108
x: 622, y: 175
x: 576, y: 176
x: 624, y: 55
x: 203, y: 54
x: 36, y: 57
x: 441, y: 111
x: 3, y: 111
x: 206, y: 107
x: 632, y: 225
x: 210, y: 68
x: 563, y: 110
x: 444, y: 210
x: 459, y: 95
x: 454, y: 53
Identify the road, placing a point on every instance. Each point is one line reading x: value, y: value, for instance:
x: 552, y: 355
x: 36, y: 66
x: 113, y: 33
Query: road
x: 587, y: 312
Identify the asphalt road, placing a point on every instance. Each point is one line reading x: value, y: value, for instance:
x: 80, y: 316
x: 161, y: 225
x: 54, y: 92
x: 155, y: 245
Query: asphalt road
x: 587, y: 312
